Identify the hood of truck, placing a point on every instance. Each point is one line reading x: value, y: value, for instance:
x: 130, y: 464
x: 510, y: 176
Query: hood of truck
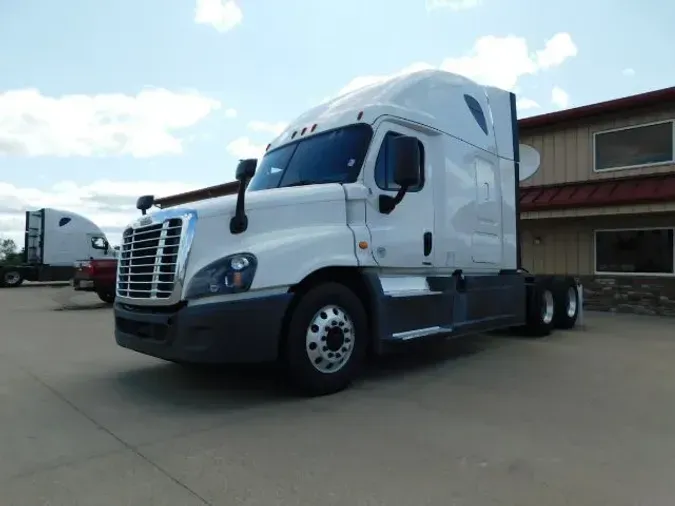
x: 266, y: 199
x: 292, y: 231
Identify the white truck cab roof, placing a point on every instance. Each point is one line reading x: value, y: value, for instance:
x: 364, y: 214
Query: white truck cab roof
x: 434, y: 99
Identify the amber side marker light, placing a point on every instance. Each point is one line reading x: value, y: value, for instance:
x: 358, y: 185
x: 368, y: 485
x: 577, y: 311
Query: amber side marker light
x: 363, y: 245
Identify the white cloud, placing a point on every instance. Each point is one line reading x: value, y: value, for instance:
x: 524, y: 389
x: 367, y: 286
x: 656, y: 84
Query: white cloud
x: 267, y: 127
x: 495, y: 61
x: 628, y: 72
x: 557, y: 49
x: 244, y: 147
x: 230, y: 113
x: 109, y: 204
x: 560, y: 98
x: 223, y: 15
x: 455, y: 5
x: 141, y: 125
x: 524, y: 104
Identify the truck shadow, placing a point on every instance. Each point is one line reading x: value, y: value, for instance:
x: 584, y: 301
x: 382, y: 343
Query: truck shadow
x: 228, y: 388
x: 68, y: 299
x: 83, y: 307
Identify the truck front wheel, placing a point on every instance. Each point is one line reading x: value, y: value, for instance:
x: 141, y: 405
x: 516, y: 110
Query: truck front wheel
x: 326, y: 340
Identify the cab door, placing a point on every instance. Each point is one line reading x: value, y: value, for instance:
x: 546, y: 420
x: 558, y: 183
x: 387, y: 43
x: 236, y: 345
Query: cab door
x: 404, y: 238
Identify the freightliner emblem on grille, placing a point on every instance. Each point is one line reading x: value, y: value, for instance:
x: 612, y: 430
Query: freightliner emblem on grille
x: 147, y: 220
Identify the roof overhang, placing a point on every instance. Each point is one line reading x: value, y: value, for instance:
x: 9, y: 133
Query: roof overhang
x: 625, y: 191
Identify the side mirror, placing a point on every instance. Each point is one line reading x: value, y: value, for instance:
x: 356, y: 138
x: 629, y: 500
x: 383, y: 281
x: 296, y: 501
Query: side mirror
x: 405, y: 152
x: 246, y: 169
x: 145, y: 202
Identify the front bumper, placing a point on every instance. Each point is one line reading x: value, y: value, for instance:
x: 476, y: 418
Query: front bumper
x: 242, y: 331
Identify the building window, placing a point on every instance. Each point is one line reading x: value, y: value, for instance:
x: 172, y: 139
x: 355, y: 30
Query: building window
x: 477, y: 112
x: 647, y: 251
x: 634, y: 147
x: 384, y: 166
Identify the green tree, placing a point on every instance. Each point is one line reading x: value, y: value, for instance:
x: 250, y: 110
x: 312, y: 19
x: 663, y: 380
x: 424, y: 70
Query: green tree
x: 9, y: 253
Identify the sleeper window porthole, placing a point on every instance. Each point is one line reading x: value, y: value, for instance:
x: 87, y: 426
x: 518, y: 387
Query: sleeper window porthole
x: 477, y: 112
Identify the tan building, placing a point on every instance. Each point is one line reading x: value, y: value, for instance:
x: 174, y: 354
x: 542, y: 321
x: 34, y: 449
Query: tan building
x: 602, y: 205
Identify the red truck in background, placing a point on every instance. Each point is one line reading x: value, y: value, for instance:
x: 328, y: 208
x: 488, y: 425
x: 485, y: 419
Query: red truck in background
x: 96, y: 276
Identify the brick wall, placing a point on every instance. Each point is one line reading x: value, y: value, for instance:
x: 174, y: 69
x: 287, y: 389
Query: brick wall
x: 625, y: 294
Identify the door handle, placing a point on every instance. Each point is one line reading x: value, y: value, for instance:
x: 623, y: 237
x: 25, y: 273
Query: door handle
x: 428, y: 243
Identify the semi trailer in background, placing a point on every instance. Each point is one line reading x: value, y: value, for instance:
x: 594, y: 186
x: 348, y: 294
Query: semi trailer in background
x: 54, y: 241
x: 385, y: 216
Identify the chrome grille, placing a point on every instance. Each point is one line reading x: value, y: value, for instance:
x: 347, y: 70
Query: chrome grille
x: 148, y: 260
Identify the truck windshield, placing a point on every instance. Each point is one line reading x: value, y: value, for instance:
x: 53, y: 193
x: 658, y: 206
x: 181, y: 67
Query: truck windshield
x: 331, y: 157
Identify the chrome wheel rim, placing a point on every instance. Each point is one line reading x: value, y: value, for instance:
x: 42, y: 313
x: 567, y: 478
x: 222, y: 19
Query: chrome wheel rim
x: 571, y: 302
x: 330, y: 339
x: 547, y: 309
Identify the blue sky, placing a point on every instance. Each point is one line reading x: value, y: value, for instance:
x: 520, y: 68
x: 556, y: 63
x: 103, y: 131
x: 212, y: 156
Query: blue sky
x: 75, y: 133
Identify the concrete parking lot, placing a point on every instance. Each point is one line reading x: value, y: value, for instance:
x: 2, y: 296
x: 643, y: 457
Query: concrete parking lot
x: 585, y: 417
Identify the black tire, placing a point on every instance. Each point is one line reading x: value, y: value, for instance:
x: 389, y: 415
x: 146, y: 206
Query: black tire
x: 10, y: 278
x: 566, y: 295
x: 107, y: 297
x: 540, y: 310
x: 316, y: 339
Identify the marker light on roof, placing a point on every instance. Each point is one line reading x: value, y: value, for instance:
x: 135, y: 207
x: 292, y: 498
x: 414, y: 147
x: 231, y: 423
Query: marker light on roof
x: 313, y: 127
x: 294, y: 134
x: 303, y: 131
x: 360, y: 115
x: 268, y: 147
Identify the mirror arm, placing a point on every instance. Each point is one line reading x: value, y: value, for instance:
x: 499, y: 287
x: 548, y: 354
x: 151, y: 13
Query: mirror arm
x: 239, y: 222
x: 388, y: 203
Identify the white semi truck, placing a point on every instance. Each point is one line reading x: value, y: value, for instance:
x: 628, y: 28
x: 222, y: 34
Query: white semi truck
x: 54, y: 241
x: 384, y: 216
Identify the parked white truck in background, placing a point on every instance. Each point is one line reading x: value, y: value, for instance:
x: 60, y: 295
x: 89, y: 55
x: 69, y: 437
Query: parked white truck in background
x: 54, y: 241
x: 386, y: 215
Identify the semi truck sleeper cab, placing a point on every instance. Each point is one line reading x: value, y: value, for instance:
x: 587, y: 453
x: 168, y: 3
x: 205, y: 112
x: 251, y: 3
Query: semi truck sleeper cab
x: 383, y: 216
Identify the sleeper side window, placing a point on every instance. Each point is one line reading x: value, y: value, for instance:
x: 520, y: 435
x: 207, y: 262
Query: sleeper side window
x: 384, y: 166
x: 477, y: 112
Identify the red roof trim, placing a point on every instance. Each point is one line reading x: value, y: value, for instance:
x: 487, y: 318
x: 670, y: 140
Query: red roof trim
x: 651, y: 98
x: 626, y: 191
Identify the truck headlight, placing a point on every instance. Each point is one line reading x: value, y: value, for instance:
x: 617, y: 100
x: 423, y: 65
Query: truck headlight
x: 232, y: 274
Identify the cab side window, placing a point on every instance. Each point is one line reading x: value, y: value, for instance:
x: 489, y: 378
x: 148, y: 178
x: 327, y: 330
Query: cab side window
x: 99, y: 243
x: 384, y: 166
